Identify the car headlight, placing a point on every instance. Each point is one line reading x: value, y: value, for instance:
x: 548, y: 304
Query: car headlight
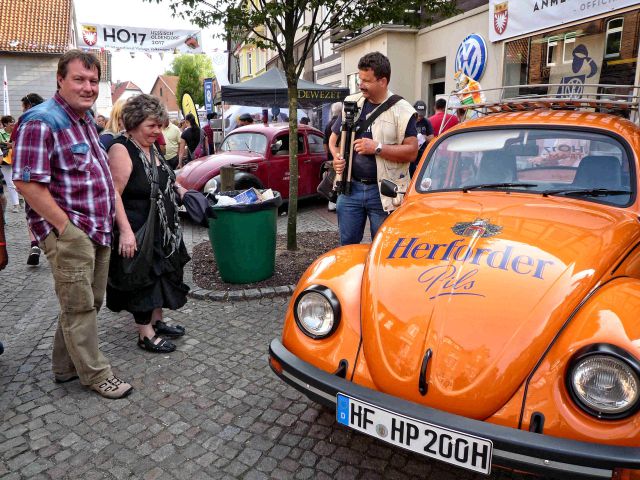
x: 604, y: 381
x: 211, y: 186
x: 317, y: 311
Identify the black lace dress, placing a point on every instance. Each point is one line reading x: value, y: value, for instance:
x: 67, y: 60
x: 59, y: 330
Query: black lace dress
x: 169, y: 252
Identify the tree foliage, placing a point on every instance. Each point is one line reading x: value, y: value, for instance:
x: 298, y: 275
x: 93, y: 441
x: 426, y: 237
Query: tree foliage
x: 277, y: 24
x: 191, y: 70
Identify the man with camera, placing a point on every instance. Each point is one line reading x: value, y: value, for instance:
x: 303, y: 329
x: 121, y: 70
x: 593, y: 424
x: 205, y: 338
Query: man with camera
x: 383, y: 129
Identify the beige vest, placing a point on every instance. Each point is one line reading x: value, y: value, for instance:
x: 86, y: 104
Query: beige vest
x: 389, y: 129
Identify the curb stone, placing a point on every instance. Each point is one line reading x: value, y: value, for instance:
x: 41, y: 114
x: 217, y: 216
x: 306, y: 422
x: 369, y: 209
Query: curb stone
x: 242, y: 294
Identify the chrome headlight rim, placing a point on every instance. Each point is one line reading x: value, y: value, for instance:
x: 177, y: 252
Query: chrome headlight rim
x: 331, y: 297
x: 211, y: 183
x: 613, y: 351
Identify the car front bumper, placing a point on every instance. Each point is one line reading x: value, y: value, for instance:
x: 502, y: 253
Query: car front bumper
x: 513, y: 448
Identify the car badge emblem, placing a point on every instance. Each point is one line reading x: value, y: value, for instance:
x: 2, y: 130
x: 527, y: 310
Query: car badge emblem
x: 381, y: 430
x: 476, y: 229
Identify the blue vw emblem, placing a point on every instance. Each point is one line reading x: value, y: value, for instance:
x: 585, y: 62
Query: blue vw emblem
x: 471, y: 57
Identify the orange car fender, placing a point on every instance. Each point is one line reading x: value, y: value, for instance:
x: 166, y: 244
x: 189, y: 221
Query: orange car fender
x: 609, y: 316
x: 341, y: 271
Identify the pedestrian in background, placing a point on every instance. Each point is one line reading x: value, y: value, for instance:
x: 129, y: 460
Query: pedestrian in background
x: 148, y: 254
x: 441, y: 121
x: 208, y: 131
x: 425, y: 133
x: 101, y: 123
x: 172, y: 135
x: 189, y: 141
x: 8, y: 123
x: 244, y: 119
x: 336, y: 111
x: 113, y: 127
x: 63, y: 174
x: 29, y: 101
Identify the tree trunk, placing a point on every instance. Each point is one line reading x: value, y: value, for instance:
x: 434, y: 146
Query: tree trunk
x: 292, y: 218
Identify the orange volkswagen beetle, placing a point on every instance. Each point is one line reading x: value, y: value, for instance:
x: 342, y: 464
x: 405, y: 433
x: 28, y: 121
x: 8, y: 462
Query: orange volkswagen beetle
x: 495, y: 318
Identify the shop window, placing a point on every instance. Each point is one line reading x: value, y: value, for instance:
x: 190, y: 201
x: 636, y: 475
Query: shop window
x: 552, y: 51
x: 608, y: 53
x: 614, y: 38
x: 569, y: 45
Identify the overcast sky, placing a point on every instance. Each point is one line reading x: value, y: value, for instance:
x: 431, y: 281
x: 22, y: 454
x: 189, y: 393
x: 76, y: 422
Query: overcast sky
x: 141, y: 70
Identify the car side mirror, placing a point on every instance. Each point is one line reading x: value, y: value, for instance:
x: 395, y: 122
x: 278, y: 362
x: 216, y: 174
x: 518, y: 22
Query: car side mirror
x: 388, y: 188
x: 277, y: 145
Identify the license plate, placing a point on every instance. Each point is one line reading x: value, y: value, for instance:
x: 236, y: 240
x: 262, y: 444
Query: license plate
x: 446, y: 445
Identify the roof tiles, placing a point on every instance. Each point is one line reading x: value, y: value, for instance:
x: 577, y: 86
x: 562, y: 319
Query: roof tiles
x: 35, y: 26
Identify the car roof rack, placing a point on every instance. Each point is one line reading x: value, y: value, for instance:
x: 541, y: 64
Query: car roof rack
x: 621, y: 100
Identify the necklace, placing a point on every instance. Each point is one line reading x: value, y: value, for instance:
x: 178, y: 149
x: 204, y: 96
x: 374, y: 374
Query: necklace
x: 141, y: 150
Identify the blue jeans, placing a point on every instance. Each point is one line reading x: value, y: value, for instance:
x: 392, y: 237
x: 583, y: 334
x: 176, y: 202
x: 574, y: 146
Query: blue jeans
x: 353, y: 210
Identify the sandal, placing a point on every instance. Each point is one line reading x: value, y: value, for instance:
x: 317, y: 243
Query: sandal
x: 171, y: 331
x: 163, y: 346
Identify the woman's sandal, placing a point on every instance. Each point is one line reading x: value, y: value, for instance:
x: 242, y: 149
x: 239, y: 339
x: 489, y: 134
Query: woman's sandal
x: 171, y: 331
x: 163, y: 346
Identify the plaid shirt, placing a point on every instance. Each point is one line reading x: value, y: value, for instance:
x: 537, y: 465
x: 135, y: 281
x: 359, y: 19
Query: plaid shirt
x: 54, y: 145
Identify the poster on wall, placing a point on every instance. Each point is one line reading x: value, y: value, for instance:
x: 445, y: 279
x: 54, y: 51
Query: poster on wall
x: 578, y: 67
x: 118, y: 37
x: 511, y: 18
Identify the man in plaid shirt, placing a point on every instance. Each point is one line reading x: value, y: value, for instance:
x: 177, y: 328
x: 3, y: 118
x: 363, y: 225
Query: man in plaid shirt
x: 62, y: 172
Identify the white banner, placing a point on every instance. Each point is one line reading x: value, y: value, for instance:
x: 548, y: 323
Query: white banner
x: 5, y: 93
x: 117, y: 37
x: 510, y: 18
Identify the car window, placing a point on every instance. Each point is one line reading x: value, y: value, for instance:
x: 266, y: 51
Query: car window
x: 582, y: 165
x: 245, y: 142
x: 315, y: 143
x: 283, y: 142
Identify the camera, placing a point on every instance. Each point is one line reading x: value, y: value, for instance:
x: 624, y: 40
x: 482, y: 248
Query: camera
x: 350, y: 110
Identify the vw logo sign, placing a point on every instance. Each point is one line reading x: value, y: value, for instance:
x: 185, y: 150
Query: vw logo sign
x: 471, y: 57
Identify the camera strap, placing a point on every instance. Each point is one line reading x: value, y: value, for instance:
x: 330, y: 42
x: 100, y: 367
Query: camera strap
x: 362, y: 125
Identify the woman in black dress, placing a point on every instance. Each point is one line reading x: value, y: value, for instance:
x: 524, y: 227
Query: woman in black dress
x: 189, y: 141
x: 146, y: 276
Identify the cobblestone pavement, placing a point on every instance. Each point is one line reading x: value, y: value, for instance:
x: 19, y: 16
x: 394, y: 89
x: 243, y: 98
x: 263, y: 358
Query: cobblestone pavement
x: 212, y: 409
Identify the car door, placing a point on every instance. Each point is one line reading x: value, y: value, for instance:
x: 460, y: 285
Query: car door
x: 310, y: 164
x: 279, y: 164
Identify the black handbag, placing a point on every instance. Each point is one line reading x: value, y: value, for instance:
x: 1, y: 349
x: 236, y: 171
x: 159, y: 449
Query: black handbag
x: 325, y: 188
x: 137, y: 272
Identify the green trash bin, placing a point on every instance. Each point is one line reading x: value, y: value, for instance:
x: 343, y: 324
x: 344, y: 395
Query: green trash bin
x: 243, y: 239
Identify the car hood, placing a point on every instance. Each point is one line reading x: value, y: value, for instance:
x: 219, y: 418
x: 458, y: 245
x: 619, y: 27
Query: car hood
x: 197, y: 172
x: 485, y: 281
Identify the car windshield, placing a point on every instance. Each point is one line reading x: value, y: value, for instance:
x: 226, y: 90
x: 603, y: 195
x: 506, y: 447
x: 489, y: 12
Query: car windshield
x: 245, y: 142
x: 550, y: 162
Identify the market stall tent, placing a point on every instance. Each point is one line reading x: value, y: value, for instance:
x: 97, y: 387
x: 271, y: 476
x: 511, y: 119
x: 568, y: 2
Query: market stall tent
x: 270, y: 90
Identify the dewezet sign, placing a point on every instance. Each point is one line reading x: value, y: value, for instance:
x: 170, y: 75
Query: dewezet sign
x: 118, y: 37
x: 510, y: 18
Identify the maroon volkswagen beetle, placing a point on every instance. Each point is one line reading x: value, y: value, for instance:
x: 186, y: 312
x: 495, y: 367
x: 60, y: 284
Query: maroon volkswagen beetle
x: 261, y: 153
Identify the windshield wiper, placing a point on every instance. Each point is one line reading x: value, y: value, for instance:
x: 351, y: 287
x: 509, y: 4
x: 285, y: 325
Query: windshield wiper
x: 586, y: 192
x: 497, y: 185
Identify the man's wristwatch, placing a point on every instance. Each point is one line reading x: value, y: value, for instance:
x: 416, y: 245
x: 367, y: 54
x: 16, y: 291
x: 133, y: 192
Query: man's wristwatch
x: 379, y: 148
